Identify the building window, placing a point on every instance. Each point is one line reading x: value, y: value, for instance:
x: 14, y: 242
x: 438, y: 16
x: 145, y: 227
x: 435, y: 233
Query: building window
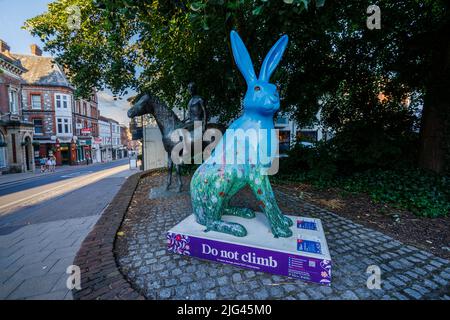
x: 62, y: 101
x: 84, y: 109
x: 38, y: 127
x: 307, y: 135
x: 36, y: 102
x: 13, y: 102
x: 59, y: 122
x: 66, y: 126
x: 284, y: 137
x: 63, y: 126
x: 78, y: 127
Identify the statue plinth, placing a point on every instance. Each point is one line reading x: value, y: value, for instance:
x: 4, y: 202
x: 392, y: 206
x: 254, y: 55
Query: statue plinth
x: 304, y: 255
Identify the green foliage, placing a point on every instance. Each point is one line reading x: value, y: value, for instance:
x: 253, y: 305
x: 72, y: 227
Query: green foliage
x: 98, y: 54
x: 304, y: 163
x: 423, y: 193
x: 332, y: 56
x: 386, y: 139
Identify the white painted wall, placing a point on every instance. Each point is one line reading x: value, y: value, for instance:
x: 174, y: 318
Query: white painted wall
x: 154, y: 154
x: 63, y: 116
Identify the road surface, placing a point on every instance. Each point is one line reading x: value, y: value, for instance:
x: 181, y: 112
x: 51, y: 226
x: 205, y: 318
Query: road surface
x: 43, y: 221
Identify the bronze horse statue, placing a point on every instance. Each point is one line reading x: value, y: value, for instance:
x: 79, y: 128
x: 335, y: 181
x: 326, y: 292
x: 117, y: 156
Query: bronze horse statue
x: 167, y: 122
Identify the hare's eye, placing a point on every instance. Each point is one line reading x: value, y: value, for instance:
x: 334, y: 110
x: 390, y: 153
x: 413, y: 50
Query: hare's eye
x: 257, y: 88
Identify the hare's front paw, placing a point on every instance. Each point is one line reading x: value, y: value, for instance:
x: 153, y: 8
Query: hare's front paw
x: 286, y: 221
x: 281, y: 231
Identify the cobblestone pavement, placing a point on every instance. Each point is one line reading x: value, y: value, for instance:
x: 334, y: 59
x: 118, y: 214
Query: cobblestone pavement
x: 406, y: 272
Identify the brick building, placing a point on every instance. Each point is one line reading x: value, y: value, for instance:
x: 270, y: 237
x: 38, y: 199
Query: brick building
x: 16, y: 134
x: 47, y: 103
x: 63, y: 127
x: 85, y: 117
x: 125, y: 139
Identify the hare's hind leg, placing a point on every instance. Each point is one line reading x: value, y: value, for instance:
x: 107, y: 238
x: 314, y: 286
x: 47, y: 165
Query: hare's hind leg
x: 236, y: 211
x: 239, y: 212
x: 208, y: 202
x: 221, y: 193
x: 228, y: 189
x: 209, y: 214
x: 279, y: 223
x: 232, y: 228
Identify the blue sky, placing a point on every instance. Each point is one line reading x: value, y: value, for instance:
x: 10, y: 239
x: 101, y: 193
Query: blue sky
x: 13, y: 14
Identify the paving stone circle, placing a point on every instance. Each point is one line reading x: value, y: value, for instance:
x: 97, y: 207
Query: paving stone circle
x: 406, y: 272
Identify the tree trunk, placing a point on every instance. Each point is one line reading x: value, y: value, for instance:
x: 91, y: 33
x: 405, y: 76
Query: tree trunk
x: 434, y: 143
x: 432, y: 151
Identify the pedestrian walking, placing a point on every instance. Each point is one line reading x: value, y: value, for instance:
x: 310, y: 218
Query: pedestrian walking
x: 43, y: 163
x: 49, y: 164
x: 53, y: 163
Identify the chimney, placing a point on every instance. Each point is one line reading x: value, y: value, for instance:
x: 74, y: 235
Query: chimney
x: 4, y: 48
x: 35, y: 50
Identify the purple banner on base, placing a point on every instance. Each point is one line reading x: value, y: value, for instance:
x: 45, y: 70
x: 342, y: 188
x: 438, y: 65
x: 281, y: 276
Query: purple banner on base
x: 276, y: 262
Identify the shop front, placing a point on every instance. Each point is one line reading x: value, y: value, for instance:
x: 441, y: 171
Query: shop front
x: 43, y: 147
x: 64, y: 151
x: 84, y: 150
x: 40, y: 150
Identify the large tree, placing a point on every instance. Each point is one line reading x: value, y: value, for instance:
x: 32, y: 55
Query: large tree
x: 333, y: 62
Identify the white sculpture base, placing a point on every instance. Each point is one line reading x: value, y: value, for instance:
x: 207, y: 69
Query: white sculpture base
x: 304, y: 255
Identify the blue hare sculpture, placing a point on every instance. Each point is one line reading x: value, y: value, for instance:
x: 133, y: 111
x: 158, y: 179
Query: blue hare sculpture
x: 243, y: 154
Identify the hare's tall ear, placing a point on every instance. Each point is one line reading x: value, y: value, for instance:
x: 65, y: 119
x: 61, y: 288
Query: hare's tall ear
x: 273, y: 58
x: 242, y: 58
